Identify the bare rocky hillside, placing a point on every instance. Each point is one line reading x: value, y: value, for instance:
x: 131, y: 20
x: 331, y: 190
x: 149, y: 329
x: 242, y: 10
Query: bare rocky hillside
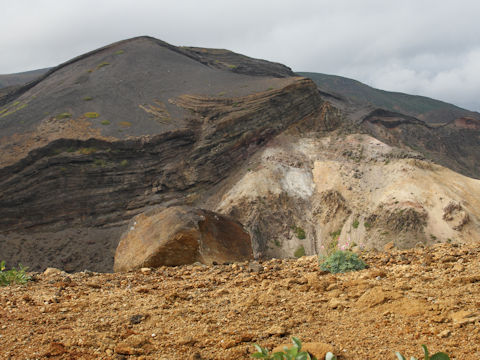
x: 142, y: 124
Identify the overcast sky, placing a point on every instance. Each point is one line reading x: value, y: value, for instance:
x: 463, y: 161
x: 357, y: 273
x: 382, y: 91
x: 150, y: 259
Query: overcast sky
x: 424, y: 47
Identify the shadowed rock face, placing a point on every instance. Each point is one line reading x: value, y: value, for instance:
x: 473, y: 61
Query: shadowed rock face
x: 454, y: 145
x: 181, y: 235
x: 124, y: 128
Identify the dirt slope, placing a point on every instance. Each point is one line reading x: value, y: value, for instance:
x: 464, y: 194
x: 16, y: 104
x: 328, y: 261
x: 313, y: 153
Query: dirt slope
x: 405, y: 299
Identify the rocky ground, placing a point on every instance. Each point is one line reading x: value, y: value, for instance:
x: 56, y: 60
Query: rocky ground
x: 404, y: 299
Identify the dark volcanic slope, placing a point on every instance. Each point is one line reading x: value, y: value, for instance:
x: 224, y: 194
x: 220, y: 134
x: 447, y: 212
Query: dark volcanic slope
x: 20, y: 78
x: 126, y: 127
x: 429, y: 110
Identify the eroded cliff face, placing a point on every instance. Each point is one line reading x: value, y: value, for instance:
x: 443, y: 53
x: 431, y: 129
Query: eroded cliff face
x: 317, y: 192
x: 101, y: 184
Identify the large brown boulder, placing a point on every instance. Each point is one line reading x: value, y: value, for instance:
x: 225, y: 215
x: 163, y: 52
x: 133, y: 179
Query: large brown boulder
x: 181, y: 235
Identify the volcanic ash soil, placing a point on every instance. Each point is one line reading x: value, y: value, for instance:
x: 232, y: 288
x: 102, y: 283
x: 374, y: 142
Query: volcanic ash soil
x: 404, y: 299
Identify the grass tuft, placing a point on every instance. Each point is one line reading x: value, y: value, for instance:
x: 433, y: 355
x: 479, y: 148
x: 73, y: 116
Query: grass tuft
x: 91, y: 115
x: 99, y: 66
x: 64, y: 115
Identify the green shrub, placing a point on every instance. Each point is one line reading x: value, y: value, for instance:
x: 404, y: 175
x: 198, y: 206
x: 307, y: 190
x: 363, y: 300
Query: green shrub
x: 293, y: 353
x: 342, y: 261
x: 124, y: 163
x: 367, y: 225
x: 105, y: 122
x: 299, y: 252
x: 87, y: 98
x: 436, y: 356
x: 13, y: 276
x: 119, y: 52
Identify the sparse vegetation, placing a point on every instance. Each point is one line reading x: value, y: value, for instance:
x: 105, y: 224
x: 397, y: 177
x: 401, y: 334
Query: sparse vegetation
x: 105, y: 122
x: 436, y: 356
x: 367, y: 225
x: 16, y: 106
x: 125, y: 123
x: 13, y: 276
x: 355, y: 223
x: 100, y: 162
x: 87, y: 98
x: 91, y: 115
x: 102, y: 65
x: 124, y: 163
x: 336, y: 234
x: 64, y: 115
x: 277, y: 242
x: 299, y: 252
x: 87, y: 151
x: 342, y: 261
x: 119, y: 52
x: 293, y: 353
x: 299, y: 232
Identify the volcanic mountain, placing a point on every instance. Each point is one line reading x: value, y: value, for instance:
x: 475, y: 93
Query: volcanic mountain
x: 141, y: 123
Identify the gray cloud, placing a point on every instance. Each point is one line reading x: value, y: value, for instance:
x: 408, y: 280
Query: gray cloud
x: 423, y: 47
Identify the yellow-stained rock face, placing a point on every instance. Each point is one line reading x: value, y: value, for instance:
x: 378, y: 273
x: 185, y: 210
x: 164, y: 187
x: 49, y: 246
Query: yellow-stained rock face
x: 350, y: 192
x: 181, y: 235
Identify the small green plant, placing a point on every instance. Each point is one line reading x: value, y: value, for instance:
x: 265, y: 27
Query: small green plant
x: 64, y: 115
x: 124, y: 163
x: 118, y: 52
x: 105, y: 122
x: 299, y: 232
x: 336, y: 234
x: 436, y: 356
x: 13, y: 276
x: 293, y: 353
x: 341, y: 261
x: 91, y: 115
x: 299, y: 252
x: 367, y: 225
x: 355, y: 223
x: 87, y: 98
x: 277, y: 243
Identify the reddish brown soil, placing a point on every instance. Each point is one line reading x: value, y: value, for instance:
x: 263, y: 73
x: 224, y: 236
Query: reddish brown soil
x: 405, y: 299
